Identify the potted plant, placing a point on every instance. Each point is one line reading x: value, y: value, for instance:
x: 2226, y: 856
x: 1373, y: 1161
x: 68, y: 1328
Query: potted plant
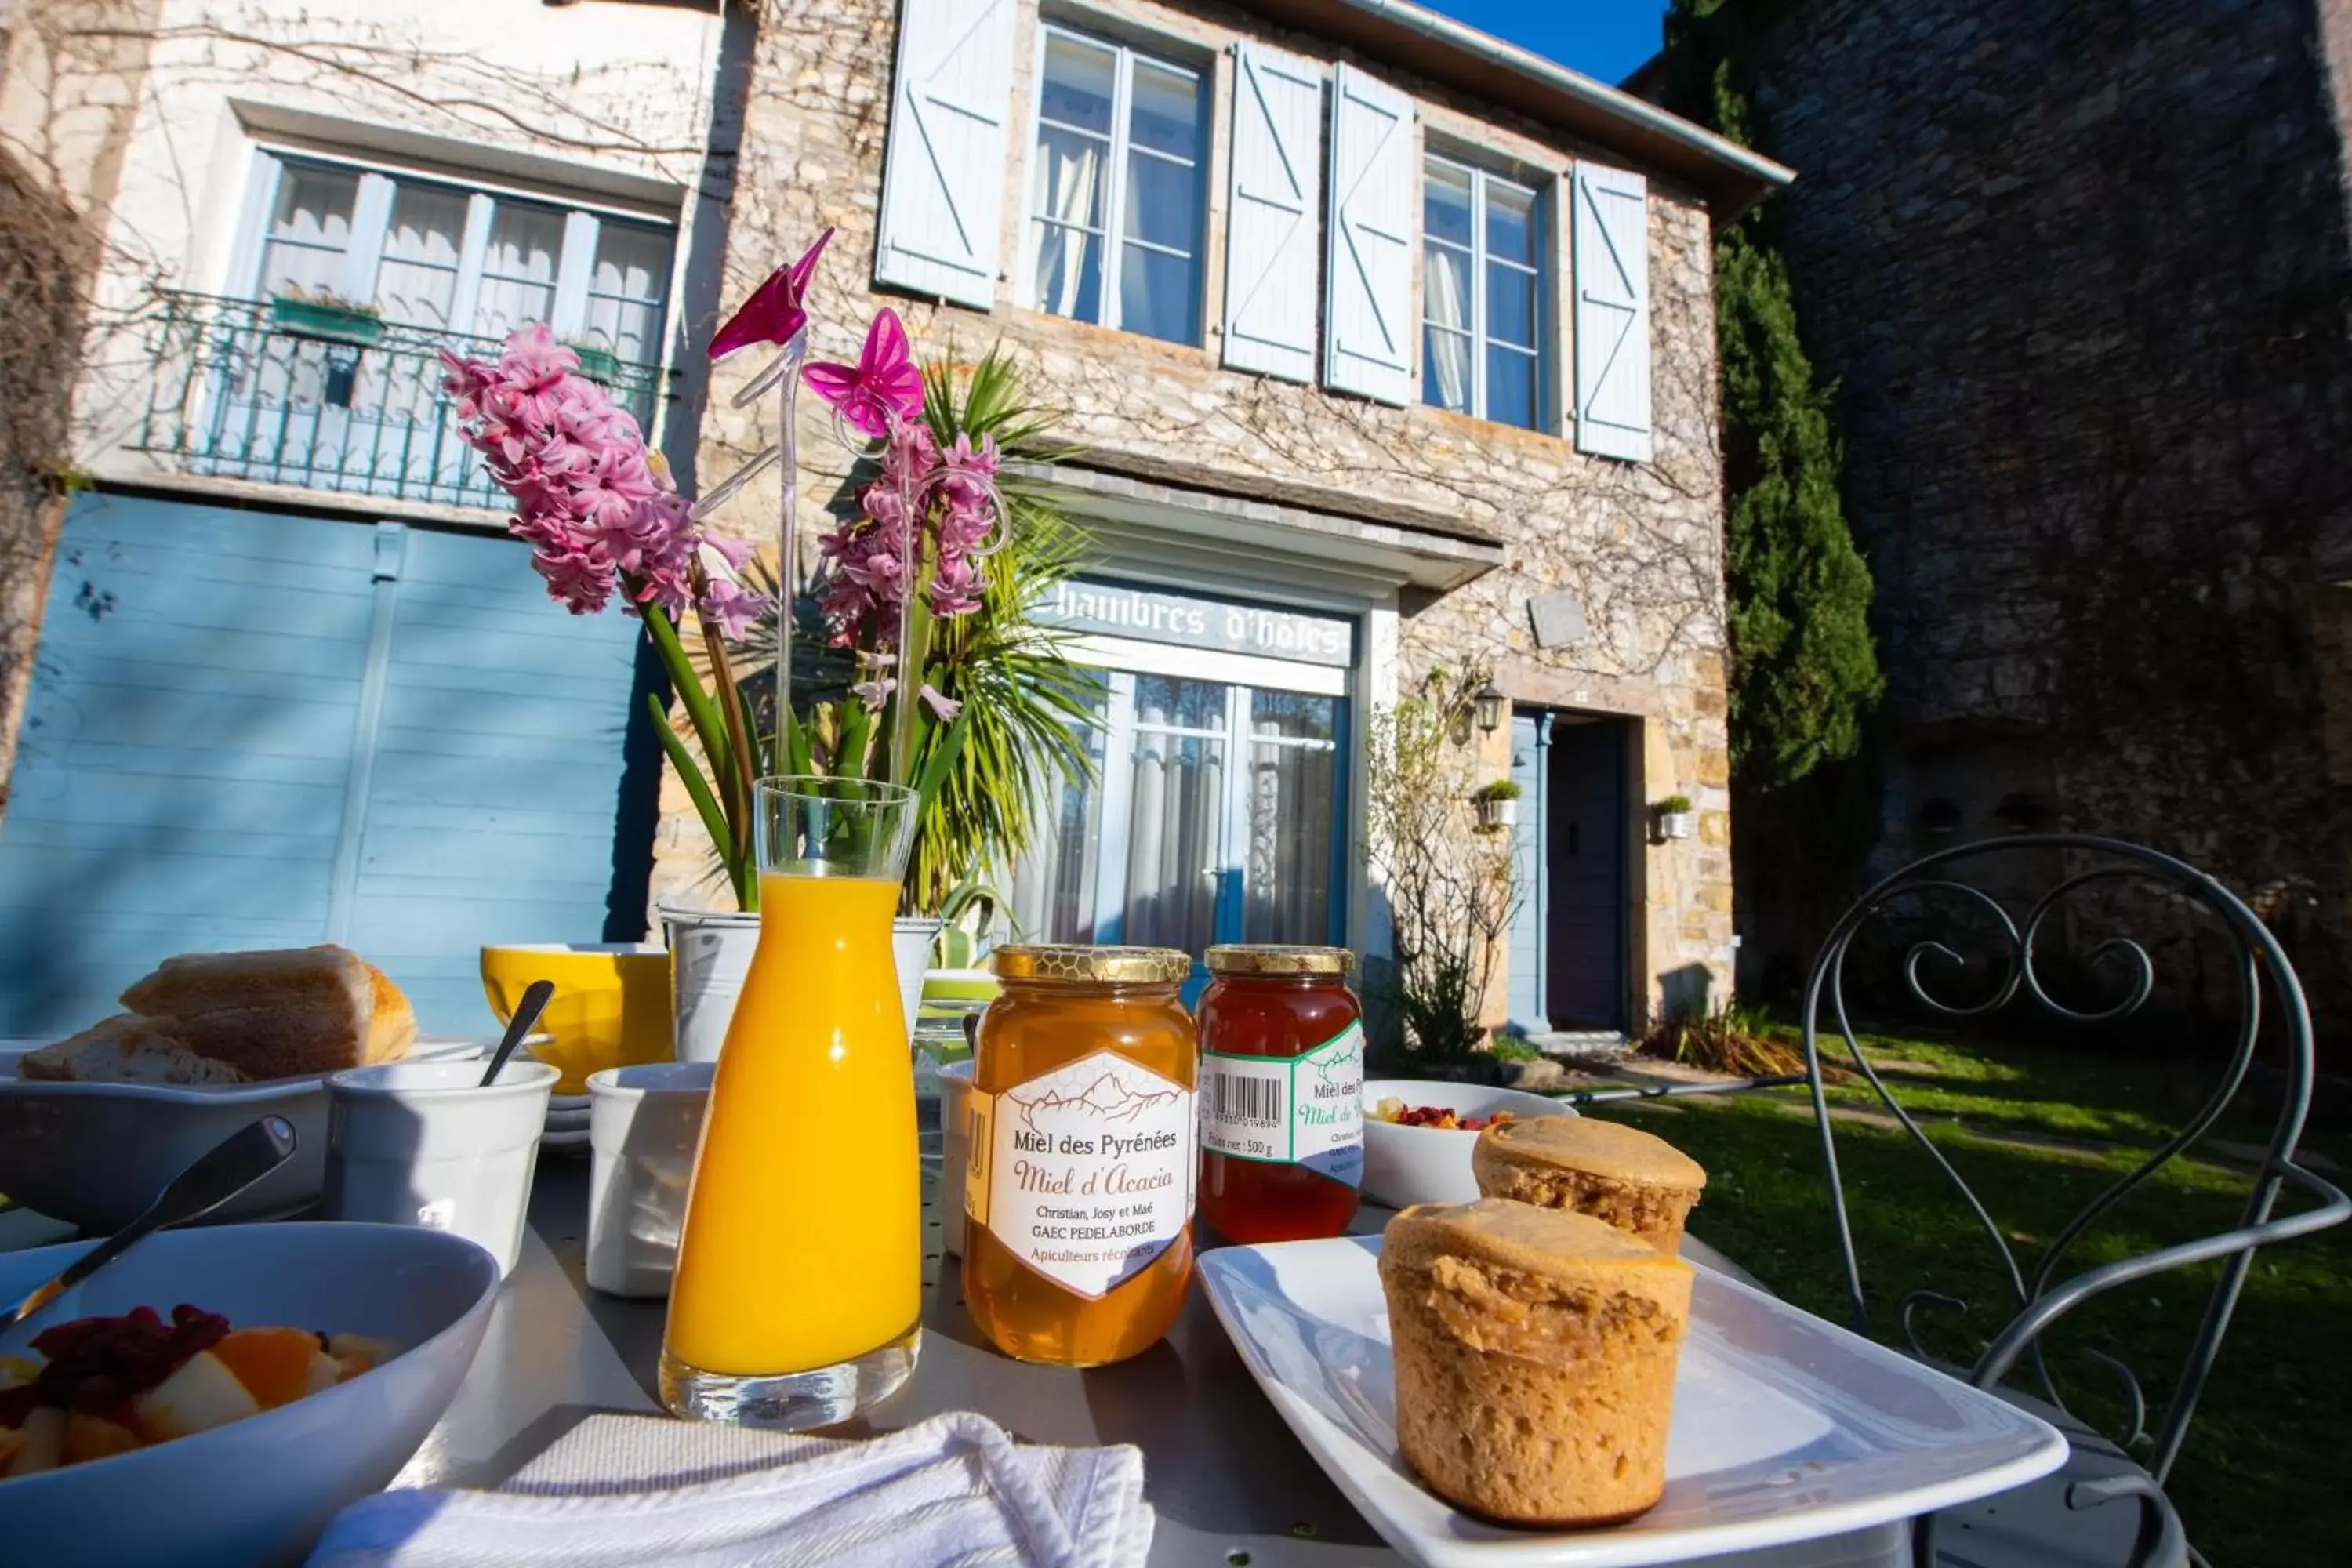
x: 1498, y: 804
x: 1676, y: 817
x: 326, y: 317
x: 919, y: 578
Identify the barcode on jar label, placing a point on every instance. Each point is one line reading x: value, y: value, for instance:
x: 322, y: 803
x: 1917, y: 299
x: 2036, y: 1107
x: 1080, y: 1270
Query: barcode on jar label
x: 1254, y: 1100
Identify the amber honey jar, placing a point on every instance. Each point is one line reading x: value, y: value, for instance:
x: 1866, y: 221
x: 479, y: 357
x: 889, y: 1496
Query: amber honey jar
x: 1282, y: 1093
x: 1078, y: 1195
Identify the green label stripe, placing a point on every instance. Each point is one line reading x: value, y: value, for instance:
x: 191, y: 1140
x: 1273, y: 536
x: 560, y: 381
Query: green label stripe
x: 1253, y: 1057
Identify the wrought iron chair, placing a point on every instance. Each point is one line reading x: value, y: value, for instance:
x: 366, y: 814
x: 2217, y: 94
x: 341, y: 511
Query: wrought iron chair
x: 2029, y: 1524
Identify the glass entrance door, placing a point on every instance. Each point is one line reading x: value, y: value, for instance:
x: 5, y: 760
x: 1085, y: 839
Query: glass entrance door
x: 1218, y: 814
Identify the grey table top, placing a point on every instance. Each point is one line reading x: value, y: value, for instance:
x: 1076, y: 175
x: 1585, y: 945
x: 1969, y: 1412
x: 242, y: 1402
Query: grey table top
x: 1228, y: 1480
x: 1221, y: 1469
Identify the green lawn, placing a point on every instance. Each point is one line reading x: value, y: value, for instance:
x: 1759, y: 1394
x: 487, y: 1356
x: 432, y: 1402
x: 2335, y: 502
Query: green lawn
x: 2260, y: 1482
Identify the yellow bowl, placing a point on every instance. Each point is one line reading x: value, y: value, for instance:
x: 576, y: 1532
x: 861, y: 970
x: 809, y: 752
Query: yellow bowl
x: 611, y: 1007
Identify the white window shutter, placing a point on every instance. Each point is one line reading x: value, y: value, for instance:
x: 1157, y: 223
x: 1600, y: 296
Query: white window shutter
x: 1270, y: 222
x: 1612, y: 312
x: 1368, y: 326
x: 943, y: 172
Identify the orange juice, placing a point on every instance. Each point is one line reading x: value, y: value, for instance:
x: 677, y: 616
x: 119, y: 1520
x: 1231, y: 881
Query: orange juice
x: 802, y: 1245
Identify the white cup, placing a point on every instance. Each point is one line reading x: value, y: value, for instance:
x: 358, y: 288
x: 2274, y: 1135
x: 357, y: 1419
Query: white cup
x: 955, y: 1152
x: 422, y: 1143
x: 643, y: 1125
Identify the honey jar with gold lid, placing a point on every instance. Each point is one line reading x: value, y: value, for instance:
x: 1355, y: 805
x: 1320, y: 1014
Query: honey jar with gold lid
x: 1078, y: 1194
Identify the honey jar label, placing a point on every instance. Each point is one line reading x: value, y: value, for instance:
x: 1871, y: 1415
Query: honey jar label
x: 1307, y: 1109
x: 1084, y: 1173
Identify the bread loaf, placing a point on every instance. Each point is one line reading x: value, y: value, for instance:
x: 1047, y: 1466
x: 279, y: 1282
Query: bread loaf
x: 126, y: 1050
x: 280, y: 1012
x: 1535, y: 1353
x: 1633, y: 1180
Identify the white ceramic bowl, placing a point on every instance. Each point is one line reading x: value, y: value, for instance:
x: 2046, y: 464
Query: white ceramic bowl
x: 258, y: 1491
x: 1406, y: 1165
x: 95, y: 1154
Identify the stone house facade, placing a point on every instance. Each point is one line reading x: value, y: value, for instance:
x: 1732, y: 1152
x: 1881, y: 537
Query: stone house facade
x: 2081, y: 276
x: 1259, y: 442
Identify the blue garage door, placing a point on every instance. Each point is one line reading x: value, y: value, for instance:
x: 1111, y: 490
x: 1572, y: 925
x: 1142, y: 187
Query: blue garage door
x: 255, y: 731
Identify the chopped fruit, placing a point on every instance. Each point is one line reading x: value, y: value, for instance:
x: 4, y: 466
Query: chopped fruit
x: 324, y: 1374
x: 274, y: 1365
x: 357, y: 1353
x: 41, y: 1445
x: 101, y: 1386
x: 1438, y: 1116
x: 89, y: 1437
x: 202, y: 1395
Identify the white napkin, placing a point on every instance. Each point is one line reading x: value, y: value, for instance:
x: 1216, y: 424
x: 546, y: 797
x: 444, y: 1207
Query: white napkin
x: 624, y: 1491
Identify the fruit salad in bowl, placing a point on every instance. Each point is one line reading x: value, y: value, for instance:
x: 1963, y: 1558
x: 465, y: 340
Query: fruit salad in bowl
x: 217, y: 1393
x: 95, y: 1388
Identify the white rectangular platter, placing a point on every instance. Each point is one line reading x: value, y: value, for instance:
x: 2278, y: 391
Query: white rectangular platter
x: 1786, y: 1428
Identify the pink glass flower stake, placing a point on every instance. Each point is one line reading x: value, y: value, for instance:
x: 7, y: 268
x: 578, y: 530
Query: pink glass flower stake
x: 882, y: 389
x: 776, y: 313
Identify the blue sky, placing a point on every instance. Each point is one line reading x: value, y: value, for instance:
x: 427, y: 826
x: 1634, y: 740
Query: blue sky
x: 1603, y: 38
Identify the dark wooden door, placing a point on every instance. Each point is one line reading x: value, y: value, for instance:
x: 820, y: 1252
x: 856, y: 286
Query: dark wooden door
x: 1585, y: 902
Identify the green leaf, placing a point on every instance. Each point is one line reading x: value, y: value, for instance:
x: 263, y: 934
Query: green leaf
x: 795, y: 741
x: 697, y: 788
x: 759, y: 764
x: 701, y: 709
x: 942, y: 762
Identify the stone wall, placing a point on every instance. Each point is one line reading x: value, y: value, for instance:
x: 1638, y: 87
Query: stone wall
x: 2080, y: 272
x: 1639, y: 546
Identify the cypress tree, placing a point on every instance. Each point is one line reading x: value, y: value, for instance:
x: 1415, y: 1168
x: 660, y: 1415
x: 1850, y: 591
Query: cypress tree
x: 1804, y: 670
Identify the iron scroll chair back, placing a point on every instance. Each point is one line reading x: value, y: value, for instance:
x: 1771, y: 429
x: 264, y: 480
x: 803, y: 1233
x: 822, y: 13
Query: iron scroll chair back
x: 2093, y: 872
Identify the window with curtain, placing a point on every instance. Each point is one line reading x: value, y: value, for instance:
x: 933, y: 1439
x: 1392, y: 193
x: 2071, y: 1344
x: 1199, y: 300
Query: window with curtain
x: 449, y: 259
x: 1053, y: 891
x: 1294, y: 789
x: 309, y: 231
x: 626, y: 288
x: 1482, y: 295
x: 416, y: 281
x: 1116, y: 193
x: 520, y: 269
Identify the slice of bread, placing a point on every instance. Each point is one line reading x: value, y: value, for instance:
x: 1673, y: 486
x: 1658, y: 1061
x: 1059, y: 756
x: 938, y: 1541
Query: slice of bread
x: 126, y: 1050
x: 391, y: 1023
x: 282, y: 1013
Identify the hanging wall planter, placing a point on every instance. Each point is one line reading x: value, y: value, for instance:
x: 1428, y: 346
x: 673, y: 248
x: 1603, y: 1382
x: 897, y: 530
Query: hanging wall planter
x: 1497, y: 805
x: 1674, y: 817
x: 327, y: 320
x: 602, y: 367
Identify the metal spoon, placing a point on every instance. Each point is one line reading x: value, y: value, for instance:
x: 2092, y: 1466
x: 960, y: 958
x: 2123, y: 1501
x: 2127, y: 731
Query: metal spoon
x: 230, y: 1166
x: 535, y: 997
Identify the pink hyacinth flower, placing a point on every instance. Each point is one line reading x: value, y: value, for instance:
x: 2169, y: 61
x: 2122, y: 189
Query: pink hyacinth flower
x: 883, y: 382
x: 729, y: 608
x: 775, y: 313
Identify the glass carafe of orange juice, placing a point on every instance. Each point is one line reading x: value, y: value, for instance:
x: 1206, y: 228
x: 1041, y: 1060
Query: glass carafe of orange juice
x: 799, y: 1288
x: 1084, y: 1154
